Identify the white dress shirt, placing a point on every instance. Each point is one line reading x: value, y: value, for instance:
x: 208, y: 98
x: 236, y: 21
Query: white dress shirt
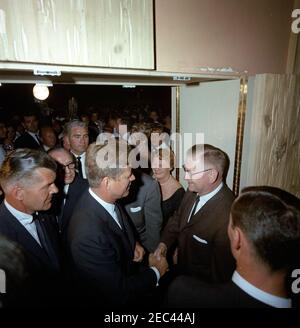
x: 110, y: 208
x: 25, y: 219
x: 205, y: 198
x: 264, y: 297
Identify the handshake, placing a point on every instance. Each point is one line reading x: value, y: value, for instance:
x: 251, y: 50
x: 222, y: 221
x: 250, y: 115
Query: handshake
x: 158, y: 259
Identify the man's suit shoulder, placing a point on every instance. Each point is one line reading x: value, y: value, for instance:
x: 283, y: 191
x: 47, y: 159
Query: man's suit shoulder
x: 85, y: 206
x: 26, y: 141
x: 85, y: 217
x: 78, y: 186
x: 227, y: 193
x: 222, y: 200
x: 148, y: 182
x: 186, y: 291
x: 6, y: 217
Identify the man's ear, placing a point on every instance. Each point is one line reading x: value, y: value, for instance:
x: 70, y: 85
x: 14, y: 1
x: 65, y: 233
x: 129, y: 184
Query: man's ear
x: 18, y: 192
x: 236, y: 239
x: 213, y: 175
x: 66, y: 141
x: 106, y: 183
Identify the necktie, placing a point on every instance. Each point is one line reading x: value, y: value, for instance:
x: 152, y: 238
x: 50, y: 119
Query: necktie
x: 45, y: 242
x: 119, y: 216
x: 121, y: 221
x: 79, y: 167
x: 197, y: 200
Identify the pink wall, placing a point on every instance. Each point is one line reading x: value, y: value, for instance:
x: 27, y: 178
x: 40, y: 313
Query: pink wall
x: 250, y: 35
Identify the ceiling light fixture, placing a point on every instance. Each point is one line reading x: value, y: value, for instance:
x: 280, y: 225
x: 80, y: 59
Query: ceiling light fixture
x: 40, y: 91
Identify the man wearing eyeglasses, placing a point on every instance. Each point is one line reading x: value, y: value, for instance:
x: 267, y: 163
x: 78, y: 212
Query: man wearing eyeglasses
x: 70, y: 189
x: 199, y: 227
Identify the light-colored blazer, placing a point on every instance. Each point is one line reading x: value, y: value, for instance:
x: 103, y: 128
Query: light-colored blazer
x: 143, y: 205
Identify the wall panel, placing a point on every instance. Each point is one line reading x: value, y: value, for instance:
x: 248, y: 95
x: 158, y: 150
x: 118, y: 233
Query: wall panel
x: 107, y: 33
x: 273, y: 140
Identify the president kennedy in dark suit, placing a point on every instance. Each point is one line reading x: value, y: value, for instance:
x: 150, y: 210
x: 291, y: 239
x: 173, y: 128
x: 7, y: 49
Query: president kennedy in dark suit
x: 27, y: 179
x: 199, y: 227
x: 101, y: 238
x: 264, y: 232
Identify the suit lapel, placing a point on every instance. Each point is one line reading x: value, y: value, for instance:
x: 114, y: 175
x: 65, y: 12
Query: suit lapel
x: 24, y: 238
x: 206, y: 207
x: 184, y: 221
x: 128, y: 230
x: 50, y: 241
x: 126, y: 236
x: 74, y: 193
x: 35, y: 142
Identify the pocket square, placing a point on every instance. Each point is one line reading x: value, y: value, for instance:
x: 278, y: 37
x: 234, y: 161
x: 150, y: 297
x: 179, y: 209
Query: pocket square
x: 200, y: 239
x: 135, y: 209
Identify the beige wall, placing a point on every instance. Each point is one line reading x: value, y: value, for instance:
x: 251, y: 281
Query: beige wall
x: 247, y: 35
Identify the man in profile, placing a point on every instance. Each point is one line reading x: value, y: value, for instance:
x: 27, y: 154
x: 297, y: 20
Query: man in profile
x: 264, y: 233
x: 199, y: 227
x: 102, y: 241
x: 27, y: 178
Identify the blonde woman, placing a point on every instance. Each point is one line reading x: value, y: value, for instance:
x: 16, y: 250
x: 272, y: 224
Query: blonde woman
x: 172, y: 191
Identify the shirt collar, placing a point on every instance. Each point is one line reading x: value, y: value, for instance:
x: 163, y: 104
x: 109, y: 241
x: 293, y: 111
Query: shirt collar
x: 34, y: 135
x: 207, y: 197
x: 21, y: 216
x: 264, y: 297
x: 108, y: 206
x: 82, y: 156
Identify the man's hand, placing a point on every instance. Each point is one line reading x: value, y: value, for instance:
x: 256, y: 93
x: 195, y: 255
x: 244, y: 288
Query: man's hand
x: 161, y: 265
x: 139, y: 252
x: 161, y: 251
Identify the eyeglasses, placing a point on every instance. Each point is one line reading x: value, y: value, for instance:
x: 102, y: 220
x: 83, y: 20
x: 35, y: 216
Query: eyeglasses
x: 192, y: 174
x: 70, y: 166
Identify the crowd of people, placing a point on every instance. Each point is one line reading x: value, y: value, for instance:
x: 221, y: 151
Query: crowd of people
x: 81, y: 229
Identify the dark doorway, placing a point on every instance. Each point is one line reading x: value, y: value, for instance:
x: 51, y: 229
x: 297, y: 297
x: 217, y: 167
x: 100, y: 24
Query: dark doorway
x: 15, y: 98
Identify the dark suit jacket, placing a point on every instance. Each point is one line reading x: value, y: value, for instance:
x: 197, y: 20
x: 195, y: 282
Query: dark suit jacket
x: 189, y: 292
x: 27, y: 141
x: 65, y: 211
x: 41, y: 271
x: 102, y: 256
x: 203, y: 243
x: 143, y: 205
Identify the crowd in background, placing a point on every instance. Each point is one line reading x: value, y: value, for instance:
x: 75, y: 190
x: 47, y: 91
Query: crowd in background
x: 81, y: 233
